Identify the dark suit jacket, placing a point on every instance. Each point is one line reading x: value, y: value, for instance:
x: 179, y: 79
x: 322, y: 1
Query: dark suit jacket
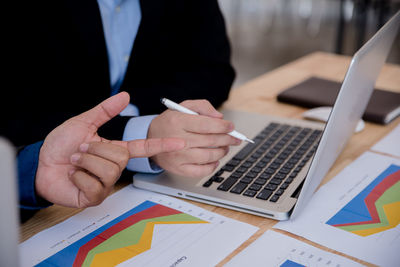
x: 59, y: 60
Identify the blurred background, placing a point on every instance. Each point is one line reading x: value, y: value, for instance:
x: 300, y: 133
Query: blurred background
x: 266, y: 34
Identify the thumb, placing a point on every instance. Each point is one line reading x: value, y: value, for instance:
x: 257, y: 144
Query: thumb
x: 144, y: 148
x: 106, y: 110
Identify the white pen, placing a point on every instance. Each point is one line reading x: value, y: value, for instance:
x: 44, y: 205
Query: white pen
x: 172, y: 105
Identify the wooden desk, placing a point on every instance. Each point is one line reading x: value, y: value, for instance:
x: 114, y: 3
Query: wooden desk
x: 259, y: 95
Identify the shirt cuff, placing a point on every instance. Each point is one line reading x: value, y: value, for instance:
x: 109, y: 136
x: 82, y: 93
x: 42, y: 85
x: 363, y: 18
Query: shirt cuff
x: 28, y: 160
x: 137, y: 128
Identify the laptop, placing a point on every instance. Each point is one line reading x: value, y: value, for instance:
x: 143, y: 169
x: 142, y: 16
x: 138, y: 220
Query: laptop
x: 9, y: 223
x: 277, y: 176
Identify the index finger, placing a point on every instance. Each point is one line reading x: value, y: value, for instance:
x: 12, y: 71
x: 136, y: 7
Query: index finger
x: 206, y: 125
x: 143, y: 148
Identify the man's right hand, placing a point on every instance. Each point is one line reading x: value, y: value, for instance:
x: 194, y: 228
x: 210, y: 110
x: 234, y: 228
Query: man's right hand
x: 78, y: 168
x: 205, y: 136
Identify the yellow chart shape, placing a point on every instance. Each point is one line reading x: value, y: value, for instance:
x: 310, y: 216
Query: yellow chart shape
x: 392, y: 212
x: 117, y: 256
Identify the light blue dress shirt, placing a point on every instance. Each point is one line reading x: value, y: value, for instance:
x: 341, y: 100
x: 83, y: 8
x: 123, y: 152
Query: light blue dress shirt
x: 121, y: 20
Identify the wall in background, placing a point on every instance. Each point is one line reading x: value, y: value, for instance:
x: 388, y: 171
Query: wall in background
x: 266, y: 34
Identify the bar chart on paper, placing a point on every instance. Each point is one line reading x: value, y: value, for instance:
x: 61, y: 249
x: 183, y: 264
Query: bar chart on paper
x: 357, y: 212
x: 290, y: 263
x: 121, y: 239
x: 375, y: 209
x: 279, y: 250
x: 155, y: 231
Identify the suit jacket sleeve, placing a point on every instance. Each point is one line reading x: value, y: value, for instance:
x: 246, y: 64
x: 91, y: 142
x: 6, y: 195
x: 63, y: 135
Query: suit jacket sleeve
x: 181, y: 53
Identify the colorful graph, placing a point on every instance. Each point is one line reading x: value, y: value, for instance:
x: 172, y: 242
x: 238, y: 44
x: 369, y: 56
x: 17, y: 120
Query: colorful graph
x: 121, y: 239
x: 375, y: 209
x: 289, y: 263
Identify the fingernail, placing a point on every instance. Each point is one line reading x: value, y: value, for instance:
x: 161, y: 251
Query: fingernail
x: 75, y: 157
x: 231, y: 126
x: 238, y: 141
x: 84, y: 147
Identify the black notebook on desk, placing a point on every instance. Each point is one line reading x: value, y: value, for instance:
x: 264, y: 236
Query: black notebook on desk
x: 383, y: 107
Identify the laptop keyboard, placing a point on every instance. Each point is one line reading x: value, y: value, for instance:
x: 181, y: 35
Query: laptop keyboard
x: 264, y: 170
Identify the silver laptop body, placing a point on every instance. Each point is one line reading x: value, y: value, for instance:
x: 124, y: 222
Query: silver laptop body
x: 318, y: 147
x: 9, y: 223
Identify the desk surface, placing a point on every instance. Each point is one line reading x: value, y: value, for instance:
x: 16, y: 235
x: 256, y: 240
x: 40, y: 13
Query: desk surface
x: 259, y: 95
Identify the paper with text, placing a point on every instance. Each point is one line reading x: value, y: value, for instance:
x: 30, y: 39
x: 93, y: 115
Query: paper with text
x: 134, y: 227
x: 357, y: 212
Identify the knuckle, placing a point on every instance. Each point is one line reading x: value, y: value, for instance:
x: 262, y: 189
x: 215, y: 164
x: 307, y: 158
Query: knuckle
x: 112, y: 171
x: 204, y: 102
x: 147, y: 147
x: 219, y: 154
x: 210, y: 156
x: 124, y: 157
x: 213, y: 140
x: 187, y: 102
x: 225, y: 151
x: 175, y: 118
x: 99, y: 199
x: 228, y: 140
x: 96, y: 189
x: 96, y: 194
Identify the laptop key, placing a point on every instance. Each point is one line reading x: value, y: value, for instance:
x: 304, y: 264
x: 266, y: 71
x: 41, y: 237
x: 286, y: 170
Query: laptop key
x: 271, y: 186
x: 264, y: 194
x: 279, y: 192
x: 260, y: 164
x: 249, y: 193
x: 236, y: 175
x: 219, y: 173
x: 256, y: 169
x: 227, y: 184
x: 255, y: 187
x: 238, y: 188
x: 217, y: 179
x: 280, y: 176
x: 284, y: 186
x: 246, y: 180
x: 265, y: 175
x: 274, y: 198
x: 251, y: 159
x: 233, y: 162
x: 276, y: 181
x: 251, y: 174
x: 260, y: 181
x: 247, y: 164
x: 269, y: 171
x: 284, y: 170
x: 289, y: 180
x: 241, y: 169
x: 242, y: 154
x: 208, y: 183
x: 228, y: 168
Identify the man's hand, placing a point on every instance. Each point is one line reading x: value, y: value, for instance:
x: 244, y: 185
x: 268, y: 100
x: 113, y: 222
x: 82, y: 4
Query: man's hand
x: 205, y: 135
x: 78, y: 168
